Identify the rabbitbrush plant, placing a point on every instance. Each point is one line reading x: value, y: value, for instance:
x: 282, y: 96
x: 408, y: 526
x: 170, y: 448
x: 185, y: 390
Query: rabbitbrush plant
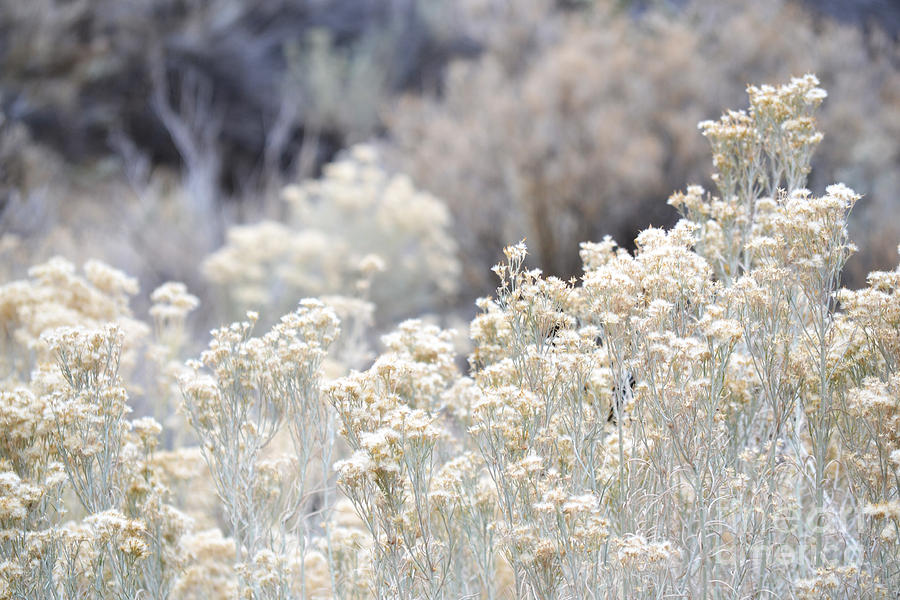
x: 710, y: 416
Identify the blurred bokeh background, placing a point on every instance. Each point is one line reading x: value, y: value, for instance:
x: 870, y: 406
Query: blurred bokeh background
x: 387, y: 150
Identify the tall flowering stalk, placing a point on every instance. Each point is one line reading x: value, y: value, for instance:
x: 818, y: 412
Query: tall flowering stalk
x: 389, y: 417
x: 237, y: 408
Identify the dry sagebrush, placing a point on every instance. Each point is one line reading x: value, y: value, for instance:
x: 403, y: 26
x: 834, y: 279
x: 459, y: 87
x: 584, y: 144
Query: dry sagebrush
x: 709, y: 416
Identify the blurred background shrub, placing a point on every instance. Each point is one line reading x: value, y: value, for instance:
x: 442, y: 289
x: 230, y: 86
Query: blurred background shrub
x: 581, y: 132
x: 341, y: 233
x: 141, y: 133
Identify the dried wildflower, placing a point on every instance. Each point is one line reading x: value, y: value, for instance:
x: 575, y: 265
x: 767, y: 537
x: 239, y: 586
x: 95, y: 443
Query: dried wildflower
x: 239, y: 405
x: 636, y: 552
x: 147, y: 430
x: 171, y: 303
x: 883, y: 510
x: 126, y: 535
x: 56, y: 296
